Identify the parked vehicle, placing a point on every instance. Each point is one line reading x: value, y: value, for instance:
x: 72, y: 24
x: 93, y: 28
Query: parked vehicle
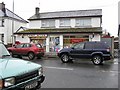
x: 96, y: 51
x: 31, y: 50
x: 17, y: 74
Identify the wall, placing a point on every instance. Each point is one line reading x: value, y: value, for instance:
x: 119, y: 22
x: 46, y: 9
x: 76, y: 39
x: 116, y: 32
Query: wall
x: 35, y: 24
x: 7, y: 29
x: 96, y: 37
x: 95, y: 22
x: 23, y: 39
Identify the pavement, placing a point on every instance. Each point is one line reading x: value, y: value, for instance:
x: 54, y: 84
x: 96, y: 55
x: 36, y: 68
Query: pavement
x: 50, y: 55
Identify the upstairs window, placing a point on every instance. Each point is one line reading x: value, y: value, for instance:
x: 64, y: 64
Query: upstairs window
x: 64, y: 22
x: 48, y: 23
x: 1, y: 22
x: 83, y: 22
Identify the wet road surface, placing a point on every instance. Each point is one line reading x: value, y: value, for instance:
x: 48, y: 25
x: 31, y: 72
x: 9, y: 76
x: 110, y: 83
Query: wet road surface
x: 79, y: 74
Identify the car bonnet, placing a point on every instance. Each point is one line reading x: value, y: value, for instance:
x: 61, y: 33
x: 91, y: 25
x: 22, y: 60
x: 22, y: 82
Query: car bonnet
x: 14, y: 67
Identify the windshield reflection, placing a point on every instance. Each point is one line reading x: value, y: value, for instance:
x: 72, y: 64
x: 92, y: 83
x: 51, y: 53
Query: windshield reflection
x: 3, y: 51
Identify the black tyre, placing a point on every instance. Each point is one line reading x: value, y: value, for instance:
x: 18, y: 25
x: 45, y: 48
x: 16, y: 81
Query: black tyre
x: 19, y: 56
x: 31, y: 55
x: 65, y: 58
x: 38, y: 57
x: 38, y: 86
x: 97, y: 60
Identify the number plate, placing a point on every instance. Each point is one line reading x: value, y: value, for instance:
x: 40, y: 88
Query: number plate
x: 33, y: 85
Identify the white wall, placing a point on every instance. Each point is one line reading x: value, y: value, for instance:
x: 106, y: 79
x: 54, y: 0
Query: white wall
x: 96, y: 37
x: 72, y: 23
x: 24, y: 39
x: 35, y: 24
x: 95, y: 22
x: 57, y: 23
x: 7, y: 29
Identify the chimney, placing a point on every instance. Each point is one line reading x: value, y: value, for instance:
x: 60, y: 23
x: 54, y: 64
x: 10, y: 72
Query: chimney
x: 37, y: 9
x: 2, y: 7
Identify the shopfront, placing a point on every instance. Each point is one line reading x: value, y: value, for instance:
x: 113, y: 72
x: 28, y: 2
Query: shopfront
x: 55, y: 39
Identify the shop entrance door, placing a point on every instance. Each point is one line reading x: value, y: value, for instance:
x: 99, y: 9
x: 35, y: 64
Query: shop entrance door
x: 54, y: 44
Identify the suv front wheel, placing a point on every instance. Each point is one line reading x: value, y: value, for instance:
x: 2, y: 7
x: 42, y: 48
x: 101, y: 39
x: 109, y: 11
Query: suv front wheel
x: 65, y: 58
x: 97, y: 59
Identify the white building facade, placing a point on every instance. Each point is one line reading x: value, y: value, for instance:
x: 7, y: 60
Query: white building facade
x: 9, y: 23
x: 56, y: 30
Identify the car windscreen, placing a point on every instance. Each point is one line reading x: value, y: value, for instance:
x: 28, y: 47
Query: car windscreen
x: 3, y: 51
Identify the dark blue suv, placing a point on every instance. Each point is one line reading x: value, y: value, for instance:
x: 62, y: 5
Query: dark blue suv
x: 97, y: 52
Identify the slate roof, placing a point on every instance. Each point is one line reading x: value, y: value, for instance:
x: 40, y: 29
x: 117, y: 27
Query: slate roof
x: 68, y: 14
x: 10, y: 14
x: 61, y: 31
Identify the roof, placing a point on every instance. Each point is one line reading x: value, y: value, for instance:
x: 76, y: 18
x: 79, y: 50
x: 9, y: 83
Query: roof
x: 61, y: 31
x: 10, y: 14
x: 68, y: 14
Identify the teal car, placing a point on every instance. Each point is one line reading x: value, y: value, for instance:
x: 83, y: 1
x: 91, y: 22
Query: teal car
x: 16, y: 74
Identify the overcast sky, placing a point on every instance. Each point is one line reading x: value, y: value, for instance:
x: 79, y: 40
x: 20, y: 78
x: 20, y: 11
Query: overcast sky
x: 26, y: 8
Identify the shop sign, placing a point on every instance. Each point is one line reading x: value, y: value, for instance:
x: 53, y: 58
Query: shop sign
x: 77, y: 40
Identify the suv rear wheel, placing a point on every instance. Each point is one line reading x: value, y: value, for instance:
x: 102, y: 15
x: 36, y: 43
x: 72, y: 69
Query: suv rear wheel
x: 65, y: 58
x: 97, y: 60
x: 31, y: 55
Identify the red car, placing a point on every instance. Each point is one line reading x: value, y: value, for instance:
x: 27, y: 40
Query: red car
x: 27, y: 49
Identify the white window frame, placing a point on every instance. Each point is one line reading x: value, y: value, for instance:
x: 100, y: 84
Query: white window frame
x: 65, y: 23
x: 48, y: 23
x: 83, y: 22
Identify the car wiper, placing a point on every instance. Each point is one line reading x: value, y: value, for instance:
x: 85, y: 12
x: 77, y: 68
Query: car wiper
x: 3, y: 56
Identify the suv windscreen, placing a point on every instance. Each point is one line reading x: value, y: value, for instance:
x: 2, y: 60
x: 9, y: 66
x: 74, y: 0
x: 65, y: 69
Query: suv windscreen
x: 3, y: 51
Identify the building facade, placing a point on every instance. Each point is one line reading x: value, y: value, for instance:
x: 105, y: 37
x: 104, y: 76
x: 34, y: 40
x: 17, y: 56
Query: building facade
x: 9, y: 23
x: 56, y: 30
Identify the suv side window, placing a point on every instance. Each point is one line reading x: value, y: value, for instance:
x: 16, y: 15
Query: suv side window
x: 19, y: 46
x: 27, y: 45
x: 98, y: 45
x: 79, y: 46
x: 88, y: 45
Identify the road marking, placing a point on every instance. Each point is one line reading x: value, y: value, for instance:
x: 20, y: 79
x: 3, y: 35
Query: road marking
x: 115, y: 62
x: 58, y: 68
x: 109, y: 71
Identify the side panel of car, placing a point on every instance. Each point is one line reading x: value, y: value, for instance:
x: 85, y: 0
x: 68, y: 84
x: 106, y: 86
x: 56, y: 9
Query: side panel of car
x: 17, y: 49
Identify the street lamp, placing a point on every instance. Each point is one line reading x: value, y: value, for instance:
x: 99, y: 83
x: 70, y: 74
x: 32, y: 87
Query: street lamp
x: 13, y: 25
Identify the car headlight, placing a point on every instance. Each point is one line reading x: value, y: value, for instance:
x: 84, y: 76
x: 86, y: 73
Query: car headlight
x: 9, y: 81
x: 40, y: 71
